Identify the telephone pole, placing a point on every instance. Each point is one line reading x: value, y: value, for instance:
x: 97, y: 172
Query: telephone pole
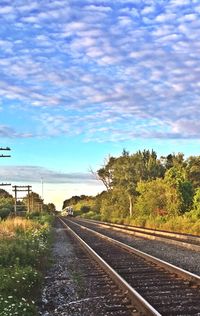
x: 4, y: 149
x: 22, y: 188
x: 4, y: 156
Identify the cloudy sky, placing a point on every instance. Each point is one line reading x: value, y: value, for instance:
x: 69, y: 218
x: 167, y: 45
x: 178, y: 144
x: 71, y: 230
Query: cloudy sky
x: 81, y: 80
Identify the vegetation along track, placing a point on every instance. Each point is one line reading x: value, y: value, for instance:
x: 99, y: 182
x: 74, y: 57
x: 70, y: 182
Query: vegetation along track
x: 170, y: 290
x: 188, y: 241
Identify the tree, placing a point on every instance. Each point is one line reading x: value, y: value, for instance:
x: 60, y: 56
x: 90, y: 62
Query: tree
x: 125, y: 178
x: 105, y: 173
x: 193, y: 170
x: 196, y: 203
x: 157, y: 198
x: 172, y: 160
x: 34, y: 201
x: 51, y: 208
x: 177, y: 178
x: 114, y: 205
x: 4, y: 193
x: 75, y: 199
x: 6, y: 204
x: 123, y: 173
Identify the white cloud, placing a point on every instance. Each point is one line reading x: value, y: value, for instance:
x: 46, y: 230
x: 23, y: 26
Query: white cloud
x: 87, y: 64
x: 36, y: 173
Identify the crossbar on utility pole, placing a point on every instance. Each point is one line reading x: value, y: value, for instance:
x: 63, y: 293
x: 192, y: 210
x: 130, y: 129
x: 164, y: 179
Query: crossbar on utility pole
x: 5, y: 148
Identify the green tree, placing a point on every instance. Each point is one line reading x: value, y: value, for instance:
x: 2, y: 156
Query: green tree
x: 6, y: 205
x: 105, y: 173
x: 123, y: 173
x: 157, y: 198
x: 125, y: 178
x: 177, y: 178
x: 172, y: 160
x: 4, y: 193
x: 114, y: 205
x: 34, y: 201
x: 193, y: 170
x: 51, y: 207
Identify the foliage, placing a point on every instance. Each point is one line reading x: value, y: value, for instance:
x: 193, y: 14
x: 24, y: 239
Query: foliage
x: 91, y: 215
x: 5, y: 194
x: 176, y: 177
x: 9, y: 305
x: 6, y: 203
x: 156, y: 198
x: 193, y: 170
x: 25, y: 279
x: 114, y: 205
x: 4, y: 212
x: 23, y: 244
x: 84, y: 205
x: 85, y: 209
x: 74, y: 200
x: 194, y: 214
x: 146, y: 190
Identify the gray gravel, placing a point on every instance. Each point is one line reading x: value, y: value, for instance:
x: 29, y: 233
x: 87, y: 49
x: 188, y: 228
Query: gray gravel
x: 73, y: 284
x: 60, y: 288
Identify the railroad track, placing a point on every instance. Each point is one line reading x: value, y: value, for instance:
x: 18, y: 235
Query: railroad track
x: 188, y: 241
x: 153, y: 286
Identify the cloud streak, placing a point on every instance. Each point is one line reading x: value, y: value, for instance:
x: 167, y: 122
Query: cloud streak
x: 37, y: 174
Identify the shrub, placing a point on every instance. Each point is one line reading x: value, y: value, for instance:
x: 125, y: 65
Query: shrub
x: 85, y: 209
x: 4, y: 213
x: 18, y: 281
x: 9, y: 305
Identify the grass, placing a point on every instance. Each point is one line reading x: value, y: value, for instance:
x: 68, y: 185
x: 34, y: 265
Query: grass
x: 24, y: 245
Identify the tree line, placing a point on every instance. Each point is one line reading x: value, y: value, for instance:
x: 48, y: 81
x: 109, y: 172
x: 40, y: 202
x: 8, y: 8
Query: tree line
x: 141, y: 185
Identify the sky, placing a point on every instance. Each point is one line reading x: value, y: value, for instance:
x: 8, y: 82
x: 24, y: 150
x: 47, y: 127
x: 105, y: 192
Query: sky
x: 82, y: 80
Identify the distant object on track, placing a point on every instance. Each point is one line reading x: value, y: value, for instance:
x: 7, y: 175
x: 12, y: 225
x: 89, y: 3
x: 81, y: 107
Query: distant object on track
x: 68, y: 211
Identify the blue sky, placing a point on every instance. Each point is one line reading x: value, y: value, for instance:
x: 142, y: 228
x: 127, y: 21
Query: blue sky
x: 81, y: 80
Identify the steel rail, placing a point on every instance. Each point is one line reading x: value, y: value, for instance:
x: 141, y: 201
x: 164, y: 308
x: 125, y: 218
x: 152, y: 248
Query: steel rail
x: 136, y: 299
x: 153, y: 234
x: 193, y: 278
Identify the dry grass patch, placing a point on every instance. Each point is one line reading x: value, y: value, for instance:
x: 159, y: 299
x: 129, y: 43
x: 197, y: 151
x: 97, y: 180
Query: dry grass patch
x: 9, y: 227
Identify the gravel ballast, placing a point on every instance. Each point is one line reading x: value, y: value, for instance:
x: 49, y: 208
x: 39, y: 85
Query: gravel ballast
x: 73, y: 284
x: 179, y: 256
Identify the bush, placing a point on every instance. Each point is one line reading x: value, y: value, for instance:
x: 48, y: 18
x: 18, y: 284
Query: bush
x: 92, y: 215
x: 85, y: 209
x: 9, y: 305
x: 18, y: 281
x: 4, y: 213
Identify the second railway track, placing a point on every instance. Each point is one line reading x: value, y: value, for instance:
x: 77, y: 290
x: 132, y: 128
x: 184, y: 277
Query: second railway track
x: 169, y: 291
x: 188, y: 241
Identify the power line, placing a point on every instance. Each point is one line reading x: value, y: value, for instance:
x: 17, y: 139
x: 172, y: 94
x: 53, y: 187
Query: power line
x: 5, y: 156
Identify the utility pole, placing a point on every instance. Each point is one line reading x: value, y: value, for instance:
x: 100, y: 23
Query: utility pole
x: 22, y: 188
x: 4, y: 156
x: 5, y: 149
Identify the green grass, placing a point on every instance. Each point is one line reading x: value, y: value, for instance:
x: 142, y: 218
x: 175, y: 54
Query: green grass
x: 24, y: 246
